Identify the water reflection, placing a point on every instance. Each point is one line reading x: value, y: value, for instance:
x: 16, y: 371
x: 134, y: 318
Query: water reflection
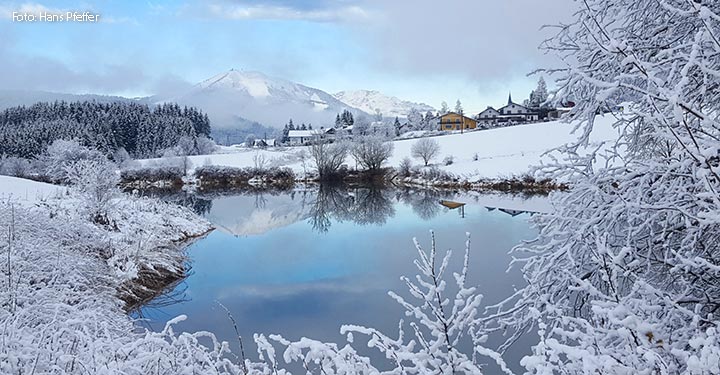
x: 303, y: 262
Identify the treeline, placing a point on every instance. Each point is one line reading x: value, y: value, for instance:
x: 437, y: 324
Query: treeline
x: 142, y: 131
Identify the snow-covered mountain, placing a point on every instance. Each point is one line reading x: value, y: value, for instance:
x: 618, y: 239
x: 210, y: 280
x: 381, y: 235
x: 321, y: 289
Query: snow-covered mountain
x: 246, y: 215
x: 370, y: 100
x: 258, y: 97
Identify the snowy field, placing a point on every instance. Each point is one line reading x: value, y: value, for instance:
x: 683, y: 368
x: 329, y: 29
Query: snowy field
x: 500, y: 153
x: 22, y: 191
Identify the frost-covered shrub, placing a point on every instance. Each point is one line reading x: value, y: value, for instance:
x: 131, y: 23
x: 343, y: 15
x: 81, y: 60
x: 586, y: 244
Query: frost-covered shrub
x: 97, y: 181
x: 448, y: 160
x: 205, y: 146
x: 220, y: 176
x: 405, y: 168
x: 61, y: 154
x: 168, y: 173
x: 442, y: 313
x: 434, y: 173
x: 14, y: 166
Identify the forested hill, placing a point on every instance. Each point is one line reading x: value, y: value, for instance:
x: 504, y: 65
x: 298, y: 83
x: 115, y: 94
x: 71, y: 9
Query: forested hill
x: 142, y: 131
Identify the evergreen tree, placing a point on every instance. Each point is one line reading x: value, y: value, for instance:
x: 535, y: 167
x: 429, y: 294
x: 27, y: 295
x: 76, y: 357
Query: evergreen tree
x: 458, y: 107
x: 338, y: 121
x: 396, y: 126
x: 444, y: 108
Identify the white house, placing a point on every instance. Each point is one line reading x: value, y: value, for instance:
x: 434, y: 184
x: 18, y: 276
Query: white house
x: 517, y: 110
x: 489, y: 113
x: 510, y: 112
x: 301, y: 137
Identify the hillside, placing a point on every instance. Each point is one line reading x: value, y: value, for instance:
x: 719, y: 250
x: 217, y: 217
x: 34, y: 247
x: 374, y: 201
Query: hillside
x: 500, y: 152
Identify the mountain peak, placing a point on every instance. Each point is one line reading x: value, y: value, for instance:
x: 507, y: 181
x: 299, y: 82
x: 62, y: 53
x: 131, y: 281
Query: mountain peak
x: 256, y: 84
x: 372, y: 100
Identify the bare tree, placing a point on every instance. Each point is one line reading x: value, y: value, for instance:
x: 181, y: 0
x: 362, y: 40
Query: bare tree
x: 425, y: 149
x: 371, y: 152
x: 328, y: 157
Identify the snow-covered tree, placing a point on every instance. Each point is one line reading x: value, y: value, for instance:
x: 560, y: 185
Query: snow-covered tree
x: 378, y: 114
x: 624, y: 278
x: 62, y: 154
x: 458, y: 107
x: 415, y: 118
x: 538, y: 96
x: 444, y: 108
x: 429, y: 121
x: 96, y: 180
x: 361, y: 126
x: 425, y: 149
x: 396, y: 126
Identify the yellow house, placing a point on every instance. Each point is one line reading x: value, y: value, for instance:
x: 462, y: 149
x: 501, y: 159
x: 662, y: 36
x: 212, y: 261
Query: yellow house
x: 455, y: 121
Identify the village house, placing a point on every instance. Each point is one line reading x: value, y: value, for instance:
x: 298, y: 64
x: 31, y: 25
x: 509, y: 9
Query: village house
x: 455, y: 121
x: 301, y: 137
x: 511, y: 112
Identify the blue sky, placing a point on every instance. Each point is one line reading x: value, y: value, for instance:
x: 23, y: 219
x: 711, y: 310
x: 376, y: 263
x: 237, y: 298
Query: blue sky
x: 420, y: 50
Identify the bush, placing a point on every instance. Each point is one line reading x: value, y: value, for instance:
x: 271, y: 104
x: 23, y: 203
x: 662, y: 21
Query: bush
x: 219, y: 176
x: 448, y: 160
x: 405, y: 168
x: 168, y: 173
x: 62, y: 154
x: 97, y: 181
x: 14, y: 166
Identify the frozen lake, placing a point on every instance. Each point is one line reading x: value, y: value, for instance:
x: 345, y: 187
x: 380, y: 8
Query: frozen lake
x: 304, y: 262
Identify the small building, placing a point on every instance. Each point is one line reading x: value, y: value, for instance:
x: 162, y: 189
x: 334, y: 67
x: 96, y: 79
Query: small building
x: 301, y: 137
x: 512, y: 112
x: 489, y: 114
x: 455, y: 121
x: 262, y: 143
x: 518, y: 111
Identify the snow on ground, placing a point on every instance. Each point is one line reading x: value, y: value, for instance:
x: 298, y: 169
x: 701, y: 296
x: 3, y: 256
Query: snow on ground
x: 59, y: 302
x: 502, y: 152
x: 22, y: 191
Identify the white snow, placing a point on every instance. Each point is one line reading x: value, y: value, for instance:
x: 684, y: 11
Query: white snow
x: 503, y: 152
x: 370, y: 100
x: 22, y: 191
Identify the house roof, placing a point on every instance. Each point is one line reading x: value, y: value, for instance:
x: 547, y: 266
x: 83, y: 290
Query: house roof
x: 303, y: 133
x: 527, y: 110
x: 457, y: 114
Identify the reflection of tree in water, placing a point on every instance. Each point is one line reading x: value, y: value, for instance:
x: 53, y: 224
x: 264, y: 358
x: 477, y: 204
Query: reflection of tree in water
x: 331, y: 201
x: 361, y: 205
x: 372, y: 206
x: 425, y: 203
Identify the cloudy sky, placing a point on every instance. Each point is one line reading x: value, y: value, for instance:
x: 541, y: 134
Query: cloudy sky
x: 421, y: 50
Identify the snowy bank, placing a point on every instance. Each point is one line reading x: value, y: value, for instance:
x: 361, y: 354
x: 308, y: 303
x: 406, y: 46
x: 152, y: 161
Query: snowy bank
x: 67, y: 279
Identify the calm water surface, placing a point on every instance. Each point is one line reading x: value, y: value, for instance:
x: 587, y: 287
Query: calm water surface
x: 302, y: 263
